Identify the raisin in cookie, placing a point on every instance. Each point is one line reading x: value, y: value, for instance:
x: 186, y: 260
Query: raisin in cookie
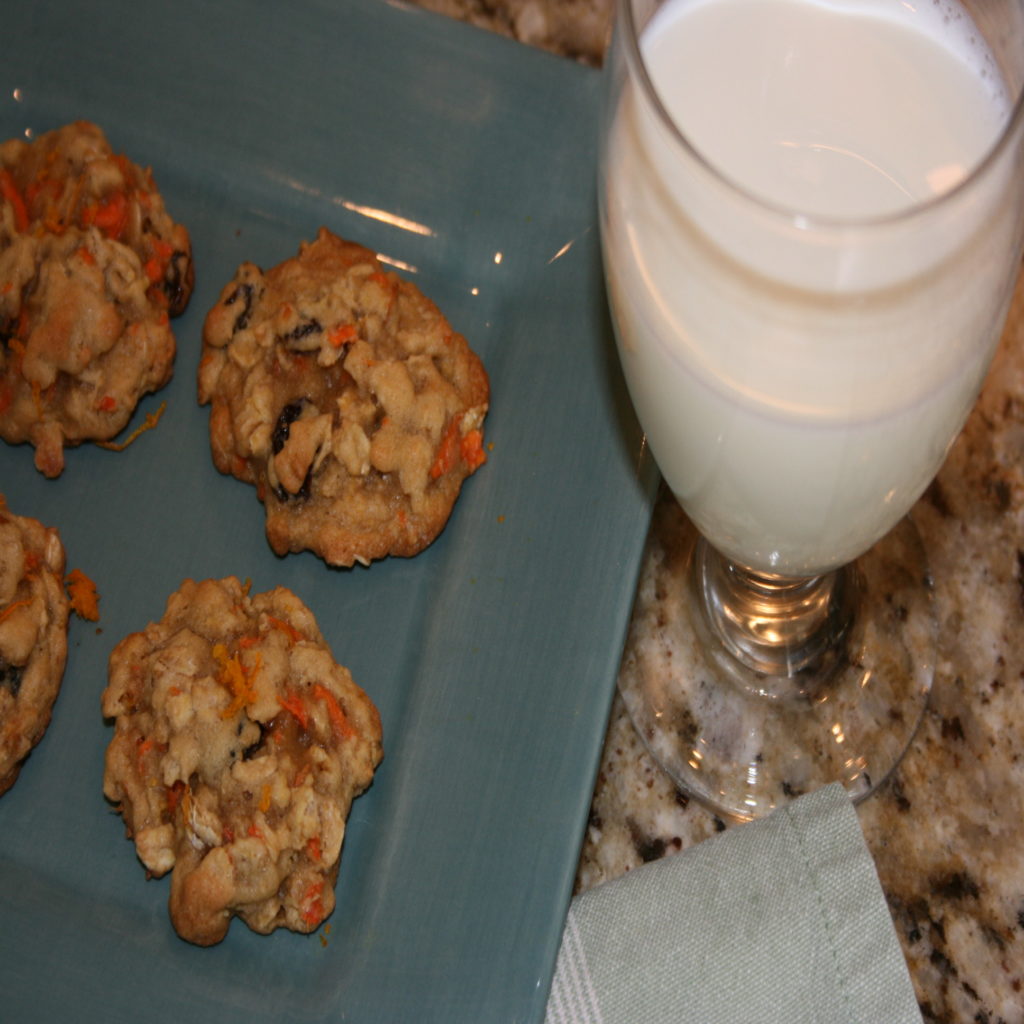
x: 344, y: 395
x: 239, y: 745
x: 33, y: 635
x: 91, y: 268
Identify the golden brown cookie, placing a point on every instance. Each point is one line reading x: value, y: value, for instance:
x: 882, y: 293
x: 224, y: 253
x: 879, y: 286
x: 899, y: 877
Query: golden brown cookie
x: 344, y: 395
x: 91, y: 268
x: 239, y: 745
x: 33, y: 635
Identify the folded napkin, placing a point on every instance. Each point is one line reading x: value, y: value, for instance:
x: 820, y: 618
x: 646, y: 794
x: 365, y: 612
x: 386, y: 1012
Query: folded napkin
x: 782, y: 919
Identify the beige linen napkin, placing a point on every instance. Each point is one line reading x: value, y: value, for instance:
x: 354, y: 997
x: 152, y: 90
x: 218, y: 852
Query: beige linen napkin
x: 782, y: 919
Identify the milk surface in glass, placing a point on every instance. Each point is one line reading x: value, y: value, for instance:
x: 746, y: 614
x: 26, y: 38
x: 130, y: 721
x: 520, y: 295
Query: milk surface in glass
x: 804, y: 329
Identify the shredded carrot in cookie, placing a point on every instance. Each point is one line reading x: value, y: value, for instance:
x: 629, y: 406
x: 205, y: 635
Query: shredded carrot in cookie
x: 292, y: 703
x: 237, y: 678
x: 470, y: 447
x: 152, y: 419
x: 472, y: 450
x: 174, y: 794
x: 23, y: 603
x: 286, y: 627
x: 110, y: 215
x: 339, y: 720
x: 447, y: 451
x: 85, y: 601
x: 9, y: 190
x: 156, y: 265
x: 342, y: 335
x: 312, y: 904
x: 144, y: 746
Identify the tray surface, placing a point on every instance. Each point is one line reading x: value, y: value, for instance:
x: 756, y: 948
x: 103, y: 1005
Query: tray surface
x: 468, y: 162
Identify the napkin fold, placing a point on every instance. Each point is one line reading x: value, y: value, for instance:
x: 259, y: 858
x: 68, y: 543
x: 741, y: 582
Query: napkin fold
x: 782, y: 919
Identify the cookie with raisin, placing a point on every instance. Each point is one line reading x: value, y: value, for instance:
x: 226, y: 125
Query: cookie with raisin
x: 33, y: 635
x: 239, y: 745
x: 92, y: 267
x: 344, y: 395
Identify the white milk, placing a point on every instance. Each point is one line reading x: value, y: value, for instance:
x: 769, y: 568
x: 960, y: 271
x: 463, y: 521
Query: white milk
x: 801, y: 376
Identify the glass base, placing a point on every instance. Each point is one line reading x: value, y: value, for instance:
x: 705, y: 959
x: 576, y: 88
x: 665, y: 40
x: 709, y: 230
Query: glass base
x: 745, y: 741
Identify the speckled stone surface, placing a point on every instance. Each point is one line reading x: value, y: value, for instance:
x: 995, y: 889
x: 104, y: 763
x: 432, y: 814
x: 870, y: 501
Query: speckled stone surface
x: 947, y: 830
x: 578, y: 29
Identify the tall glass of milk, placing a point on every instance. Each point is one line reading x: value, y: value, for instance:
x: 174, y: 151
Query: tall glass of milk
x: 812, y: 215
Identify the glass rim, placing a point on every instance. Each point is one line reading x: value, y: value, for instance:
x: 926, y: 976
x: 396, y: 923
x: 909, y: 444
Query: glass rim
x: 801, y: 218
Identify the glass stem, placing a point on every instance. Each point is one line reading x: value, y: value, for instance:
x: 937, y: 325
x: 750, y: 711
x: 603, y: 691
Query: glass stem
x: 790, y: 631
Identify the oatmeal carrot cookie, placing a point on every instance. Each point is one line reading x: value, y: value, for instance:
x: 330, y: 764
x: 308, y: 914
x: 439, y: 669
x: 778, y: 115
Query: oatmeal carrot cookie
x: 91, y: 268
x: 239, y: 745
x: 344, y: 395
x: 33, y: 635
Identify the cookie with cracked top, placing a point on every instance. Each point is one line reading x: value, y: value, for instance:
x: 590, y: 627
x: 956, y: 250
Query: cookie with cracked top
x: 33, y: 635
x: 344, y: 395
x: 239, y: 745
x: 91, y: 269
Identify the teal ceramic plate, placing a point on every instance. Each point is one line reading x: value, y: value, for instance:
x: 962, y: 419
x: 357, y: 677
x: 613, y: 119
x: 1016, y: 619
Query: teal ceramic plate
x: 468, y: 162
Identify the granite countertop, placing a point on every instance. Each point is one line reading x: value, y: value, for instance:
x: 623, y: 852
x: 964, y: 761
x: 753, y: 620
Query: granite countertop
x: 947, y: 830
x: 578, y: 29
